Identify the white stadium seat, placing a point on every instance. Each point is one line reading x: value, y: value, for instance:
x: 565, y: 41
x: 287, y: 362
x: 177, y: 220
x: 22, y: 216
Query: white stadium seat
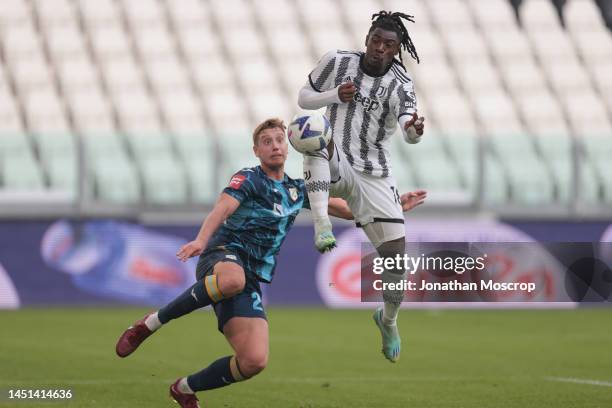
x: 493, y: 15
x: 450, y: 14
x: 153, y: 42
x: 582, y: 15
x: 54, y: 12
x: 143, y: 12
x: 539, y: 15
x: 188, y: 13
x: 99, y: 12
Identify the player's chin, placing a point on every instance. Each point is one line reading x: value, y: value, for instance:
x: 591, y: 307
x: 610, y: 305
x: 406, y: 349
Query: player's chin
x: 276, y: 161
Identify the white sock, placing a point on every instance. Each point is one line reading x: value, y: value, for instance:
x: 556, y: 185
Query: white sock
x: 392, y: 298
x: 183, y: 386
x: 316, y: 178
x: 152, y: 322
x: 390, y: 312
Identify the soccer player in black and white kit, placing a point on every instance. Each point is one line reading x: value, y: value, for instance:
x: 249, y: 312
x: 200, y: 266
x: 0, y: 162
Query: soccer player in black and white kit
x: 366, y: 95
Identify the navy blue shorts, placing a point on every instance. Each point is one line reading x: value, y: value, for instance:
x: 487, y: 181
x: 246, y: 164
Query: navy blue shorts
x: 245, y: 304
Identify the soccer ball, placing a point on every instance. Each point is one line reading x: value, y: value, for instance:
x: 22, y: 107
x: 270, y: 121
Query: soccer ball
x: 309, y: 132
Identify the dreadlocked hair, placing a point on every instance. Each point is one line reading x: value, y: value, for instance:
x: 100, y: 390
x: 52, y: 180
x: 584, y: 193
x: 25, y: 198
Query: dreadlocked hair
x: 391, y: 21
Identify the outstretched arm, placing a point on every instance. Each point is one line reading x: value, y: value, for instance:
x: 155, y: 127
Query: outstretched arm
x: 412, y: 199
x: 223, y: 209
x: 311, y: 99
x: 339, y: 208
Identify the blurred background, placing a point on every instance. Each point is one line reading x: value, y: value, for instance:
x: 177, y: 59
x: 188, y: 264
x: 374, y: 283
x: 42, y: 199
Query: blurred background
x: 121, y: 121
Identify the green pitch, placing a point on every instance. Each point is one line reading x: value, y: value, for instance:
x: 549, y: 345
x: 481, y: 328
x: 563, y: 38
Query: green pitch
x: 321, y: 358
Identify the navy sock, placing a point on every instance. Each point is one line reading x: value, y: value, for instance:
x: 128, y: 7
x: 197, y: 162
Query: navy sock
x: 201, y: 294
x: 224, y: 371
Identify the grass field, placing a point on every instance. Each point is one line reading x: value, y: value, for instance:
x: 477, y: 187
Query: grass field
x: 321, y: 358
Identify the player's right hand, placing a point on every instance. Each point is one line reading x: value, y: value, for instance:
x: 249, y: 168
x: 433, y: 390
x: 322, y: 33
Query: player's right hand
x: 193, y: 248
x: 347, y: 91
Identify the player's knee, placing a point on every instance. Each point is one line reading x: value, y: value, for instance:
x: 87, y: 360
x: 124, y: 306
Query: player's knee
x: 253, y: 364
x: 391, y: 249
x: 231, y: 281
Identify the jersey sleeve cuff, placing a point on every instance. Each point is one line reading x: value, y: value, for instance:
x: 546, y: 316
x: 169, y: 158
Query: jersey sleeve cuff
x: 312, y: 85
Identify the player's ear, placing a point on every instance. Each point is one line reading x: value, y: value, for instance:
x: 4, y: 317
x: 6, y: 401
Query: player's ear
x: 256, y: 151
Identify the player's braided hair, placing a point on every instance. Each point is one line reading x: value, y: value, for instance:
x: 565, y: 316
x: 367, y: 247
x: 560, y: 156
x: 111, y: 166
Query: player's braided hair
x: 392, y: 21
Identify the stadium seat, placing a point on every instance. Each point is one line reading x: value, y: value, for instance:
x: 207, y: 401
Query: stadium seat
x: 187, y: 13
x: 450, y: 14
x: 582, y: 15
x: 203, y: 186
x: 227, y: 110
x: 164, y: 180
x: 122, y: 75
x: 539, y: 15
x: 21, y: 172
x: 584, y: 41
x: 75, y: 74
x: 600, y: 73
x: 271, y: 103
x: 15, y: 13
x: 434, y: 169
x: 428, y: 44
x: 45, y: 112
x: 65, y: 41
x: 153, y: 41
x: 143, y: 12
x: 542, y: 113
x: 212, y: 74
x: 115, y: 180
x: 190, y: 37
x: 492, y: 15
x: 508, y: 45
x: 243, y: 42
x: 567, y: 76
x: 20, y: 41
x: 110, y: 41
x: 452, y: 113
x: 10, y: 122
x: 478, y: 77
x: 286, y: 41
x: 586, y: 108
x: 62, y: 172
x: 90, y: 111
x: 137, y: 111
x: 166, y: 74
x: 465, y: 45
x: 99, y: 12
x: 182, y: 111
x: 434, y: 77
x: 522, y: 76
x: 31, y: 74
x: 562, y: 51
x: 418, y: 9
x: 53, y: 145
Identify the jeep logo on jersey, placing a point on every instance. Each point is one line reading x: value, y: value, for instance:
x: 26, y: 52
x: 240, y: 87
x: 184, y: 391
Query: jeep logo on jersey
x: 369, y: 104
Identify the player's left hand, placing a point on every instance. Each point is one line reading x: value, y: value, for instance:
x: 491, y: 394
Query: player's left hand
x: 417, y: 122
x: 412, y: 199
x: 193, y: 248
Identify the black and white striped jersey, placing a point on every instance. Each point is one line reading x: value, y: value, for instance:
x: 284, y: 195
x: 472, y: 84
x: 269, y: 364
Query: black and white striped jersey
x: 363, y: 126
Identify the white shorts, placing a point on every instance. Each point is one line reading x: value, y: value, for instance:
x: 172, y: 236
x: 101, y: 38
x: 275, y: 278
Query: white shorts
x: 374, y: 201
